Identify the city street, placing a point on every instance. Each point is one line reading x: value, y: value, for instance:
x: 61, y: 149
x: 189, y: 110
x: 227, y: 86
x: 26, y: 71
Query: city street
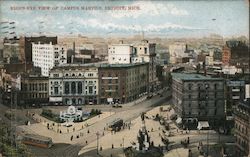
x: 127, y: 113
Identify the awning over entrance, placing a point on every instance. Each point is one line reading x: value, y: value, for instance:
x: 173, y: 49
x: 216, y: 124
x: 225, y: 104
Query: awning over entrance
x: 179, y: 120
x: 202, y: 125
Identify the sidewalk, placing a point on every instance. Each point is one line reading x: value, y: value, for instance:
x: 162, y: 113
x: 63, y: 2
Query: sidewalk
x: 58, y: 132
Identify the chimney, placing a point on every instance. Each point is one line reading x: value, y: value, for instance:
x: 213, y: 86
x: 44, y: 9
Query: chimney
x: 121, y: 42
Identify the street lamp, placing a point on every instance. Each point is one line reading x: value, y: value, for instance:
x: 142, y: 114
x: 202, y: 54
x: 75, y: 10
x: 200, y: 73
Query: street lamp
x: 123, y: 143
x: 97, y: 144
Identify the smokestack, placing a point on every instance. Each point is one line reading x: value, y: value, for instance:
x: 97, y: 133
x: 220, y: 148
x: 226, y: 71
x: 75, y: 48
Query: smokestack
x: 72, y: 59
x: 74, y: 46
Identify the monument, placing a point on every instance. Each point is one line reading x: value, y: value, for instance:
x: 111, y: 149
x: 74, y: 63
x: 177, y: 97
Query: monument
x: 72, y: 114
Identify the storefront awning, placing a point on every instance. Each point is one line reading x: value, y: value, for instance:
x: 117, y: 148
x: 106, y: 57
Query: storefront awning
x: 179, y: 120
x: 202, y: 125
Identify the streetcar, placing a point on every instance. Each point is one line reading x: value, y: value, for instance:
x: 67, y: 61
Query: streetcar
x: 115, y: 125
x: 37, y: 140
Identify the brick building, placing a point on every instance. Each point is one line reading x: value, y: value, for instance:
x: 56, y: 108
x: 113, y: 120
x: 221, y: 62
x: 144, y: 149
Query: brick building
x: 198, y: 98
x: 34, y: 89
x: 242, y: 128
x: 25, y: 44
x: 122, y: 83
x: 236, y: 53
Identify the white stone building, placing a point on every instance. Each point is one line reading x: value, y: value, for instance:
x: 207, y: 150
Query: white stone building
x: 120, y: 53
x: 177, y: 50
x: 74, y: 84
x: 46, y: 56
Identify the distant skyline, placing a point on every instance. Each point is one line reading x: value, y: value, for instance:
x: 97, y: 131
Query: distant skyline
x: 155, y: 18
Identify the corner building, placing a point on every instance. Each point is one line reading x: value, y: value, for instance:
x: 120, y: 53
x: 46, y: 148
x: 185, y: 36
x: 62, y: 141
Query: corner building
x: 198, y: 98
x: 122, y: 83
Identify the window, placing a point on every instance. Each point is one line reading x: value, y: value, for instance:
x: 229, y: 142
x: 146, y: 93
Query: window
x: 189, y: 86
x: 55, y: 75
x: 207, y: 86
x: 145, y: 50
x: 73, y: 88
x: 79, y: 87
x: 90, y: 89
x: 66, y: 89
x: 56, y: 90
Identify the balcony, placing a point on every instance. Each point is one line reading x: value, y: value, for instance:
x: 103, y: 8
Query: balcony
x: 235, y: 97
x: 235, y: 90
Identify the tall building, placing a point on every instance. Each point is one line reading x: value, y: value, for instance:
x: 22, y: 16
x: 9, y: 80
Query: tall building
x: 120, y: 53
x: 122, y: 83
x: 26, y: 45
x: 145, y: 52
x: 177, y: 50
x: 11, y: 51
x: 74, y: 84
x: 46, y: 56
x: 141, y: 52
x: 242, y: 128
x: 235, y: 91
x: 198, y: 98
x: 236, y: 53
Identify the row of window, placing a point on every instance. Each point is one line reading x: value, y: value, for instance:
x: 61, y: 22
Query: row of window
x: 35, y: 87
x: 202, y: 113
x: 241, y: 128
x: 200, y: 86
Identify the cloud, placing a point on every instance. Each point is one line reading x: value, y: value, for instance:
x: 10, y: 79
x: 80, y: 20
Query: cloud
x: 111, y: 26
x: 147, y: 8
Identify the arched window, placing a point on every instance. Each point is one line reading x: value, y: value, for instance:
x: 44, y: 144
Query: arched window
x: 66, y: 88
x: 79, y: 86
x: 79, y: 101
x: 73, y: 88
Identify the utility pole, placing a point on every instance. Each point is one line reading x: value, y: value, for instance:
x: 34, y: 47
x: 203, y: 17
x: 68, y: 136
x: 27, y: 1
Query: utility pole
x: 97, y: 142
x: 207, y: 142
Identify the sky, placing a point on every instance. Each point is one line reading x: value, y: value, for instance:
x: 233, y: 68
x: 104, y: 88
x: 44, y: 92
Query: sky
x: 111, y: 18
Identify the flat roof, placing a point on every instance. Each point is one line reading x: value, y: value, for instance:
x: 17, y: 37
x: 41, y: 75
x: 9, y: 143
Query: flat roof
x: 120, y: 65
x: 185, y: 76
x: 97, y: 65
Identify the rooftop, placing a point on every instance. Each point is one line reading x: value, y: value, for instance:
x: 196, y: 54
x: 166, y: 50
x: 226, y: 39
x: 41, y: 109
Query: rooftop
x: 96, y: 65
x: 37, y: 137
x: 185, y: 76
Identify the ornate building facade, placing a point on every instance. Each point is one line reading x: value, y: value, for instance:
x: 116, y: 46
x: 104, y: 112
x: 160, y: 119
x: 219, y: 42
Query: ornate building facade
x: 74, y: 84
